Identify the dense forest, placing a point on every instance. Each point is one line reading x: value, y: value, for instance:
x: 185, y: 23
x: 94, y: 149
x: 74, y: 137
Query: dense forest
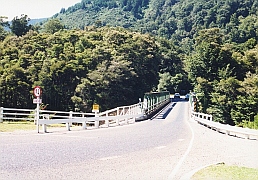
x: 112, y: 52
x: 75, y: 68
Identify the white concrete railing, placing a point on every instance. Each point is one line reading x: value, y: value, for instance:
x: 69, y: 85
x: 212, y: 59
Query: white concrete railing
x: 60, y: 117
x: 206, y: 120
x: 116, y: 116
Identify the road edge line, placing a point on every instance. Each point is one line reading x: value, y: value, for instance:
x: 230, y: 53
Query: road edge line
x: 179, y: 164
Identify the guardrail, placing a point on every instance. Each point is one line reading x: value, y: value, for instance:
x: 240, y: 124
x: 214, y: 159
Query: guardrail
x: 206, y: 120
x: 113, y: 117
x: 60, y: 117
x: 153, y: 108
x: 116, y: 116
x: 17, y: 114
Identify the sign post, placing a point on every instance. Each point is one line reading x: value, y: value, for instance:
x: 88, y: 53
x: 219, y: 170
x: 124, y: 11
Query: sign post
x: 37, y: 93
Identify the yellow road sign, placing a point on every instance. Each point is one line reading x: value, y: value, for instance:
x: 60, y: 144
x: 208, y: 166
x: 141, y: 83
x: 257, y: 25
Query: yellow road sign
x: 95, y: 108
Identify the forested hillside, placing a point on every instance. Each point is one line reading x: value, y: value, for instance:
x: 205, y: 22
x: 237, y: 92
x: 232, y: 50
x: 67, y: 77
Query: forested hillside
x: 75, y: 68
x: 112, y: 52
x: 174, y: 19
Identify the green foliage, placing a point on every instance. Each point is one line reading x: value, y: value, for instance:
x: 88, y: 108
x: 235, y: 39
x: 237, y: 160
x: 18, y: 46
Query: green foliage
x: 164, y: 82
x: 250, y: 124
x: 19, y: 26
x: 172, y: 19
x: 222, y: 90
x: 75, y: 68
x: 246, y: 104
x: 53, y: 26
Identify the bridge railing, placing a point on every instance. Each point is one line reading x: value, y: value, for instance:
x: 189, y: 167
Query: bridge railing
x: 206, y: 120
x: 116, y: 116
x: 153, y: 101
x: 156, y: 106
x: 120, y: 115
x: 123, y: 111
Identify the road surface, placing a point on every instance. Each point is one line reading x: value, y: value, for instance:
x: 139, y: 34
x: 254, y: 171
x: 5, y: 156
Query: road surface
x: 170, y: 146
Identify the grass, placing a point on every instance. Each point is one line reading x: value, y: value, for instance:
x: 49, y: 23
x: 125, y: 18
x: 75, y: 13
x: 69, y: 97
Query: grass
x: 226, y: 172
x: 22, y: 126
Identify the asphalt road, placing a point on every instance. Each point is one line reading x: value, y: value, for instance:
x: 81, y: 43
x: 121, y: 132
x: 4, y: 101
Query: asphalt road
x: 170, y: 146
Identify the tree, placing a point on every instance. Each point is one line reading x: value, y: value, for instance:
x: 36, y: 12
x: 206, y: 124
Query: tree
x: 164, y: 82
x: 246, y: 104
x: 20, y: 26
x: 111, y: 84
x: 53, y: 26
x: 13, y: 80
x: 223, y: 99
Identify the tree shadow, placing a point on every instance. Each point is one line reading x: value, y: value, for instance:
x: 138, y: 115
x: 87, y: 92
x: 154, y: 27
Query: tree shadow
x: 164, y: 113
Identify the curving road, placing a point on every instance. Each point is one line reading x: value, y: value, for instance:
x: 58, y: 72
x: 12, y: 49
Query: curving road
x: 169, y: 146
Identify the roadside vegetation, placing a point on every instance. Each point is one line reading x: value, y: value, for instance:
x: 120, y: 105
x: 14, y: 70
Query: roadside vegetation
x: 223, y: 171
x: 22, y: 126
x: 17, y: 126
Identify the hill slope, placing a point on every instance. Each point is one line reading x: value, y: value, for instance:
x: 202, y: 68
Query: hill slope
x: 173, y: 19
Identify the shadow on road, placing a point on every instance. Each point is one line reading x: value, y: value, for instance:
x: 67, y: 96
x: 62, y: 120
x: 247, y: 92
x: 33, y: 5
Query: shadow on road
x: 164, y: 112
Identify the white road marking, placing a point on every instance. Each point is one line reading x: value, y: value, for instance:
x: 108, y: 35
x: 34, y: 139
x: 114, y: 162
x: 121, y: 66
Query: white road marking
x: 50, y: 141
x: 160, y: 147
x: 27, y: 143
x: 179, y: 164
x: 82, y: 137
x: 181, y: 139
x: 109, y: 158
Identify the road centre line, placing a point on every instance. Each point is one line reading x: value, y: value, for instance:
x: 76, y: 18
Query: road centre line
x: 109, y: 158
x: 51, y: 141
x: 81, y: 137
x: 29, y: 143
x: 160, y: 147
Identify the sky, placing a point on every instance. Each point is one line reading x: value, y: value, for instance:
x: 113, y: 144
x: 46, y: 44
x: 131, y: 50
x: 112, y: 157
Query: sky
x: 35, y: 9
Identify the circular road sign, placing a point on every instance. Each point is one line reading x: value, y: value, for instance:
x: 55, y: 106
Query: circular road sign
x: 37, y: 91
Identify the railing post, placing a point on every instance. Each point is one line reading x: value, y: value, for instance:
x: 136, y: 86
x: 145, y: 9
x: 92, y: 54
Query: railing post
x: 97, y: 121
x: 69, y: 124
x: 44, y: 126
x: 140, y: 110
x: 107, y: 121
x: 117, y: 120
x: 70, y: 117
x: 1, y: 114
x: 84, y: 125
x: 129, y: 110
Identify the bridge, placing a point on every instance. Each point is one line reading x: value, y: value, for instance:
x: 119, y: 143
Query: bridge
x: 148, y: 108
x: 172, y: 144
